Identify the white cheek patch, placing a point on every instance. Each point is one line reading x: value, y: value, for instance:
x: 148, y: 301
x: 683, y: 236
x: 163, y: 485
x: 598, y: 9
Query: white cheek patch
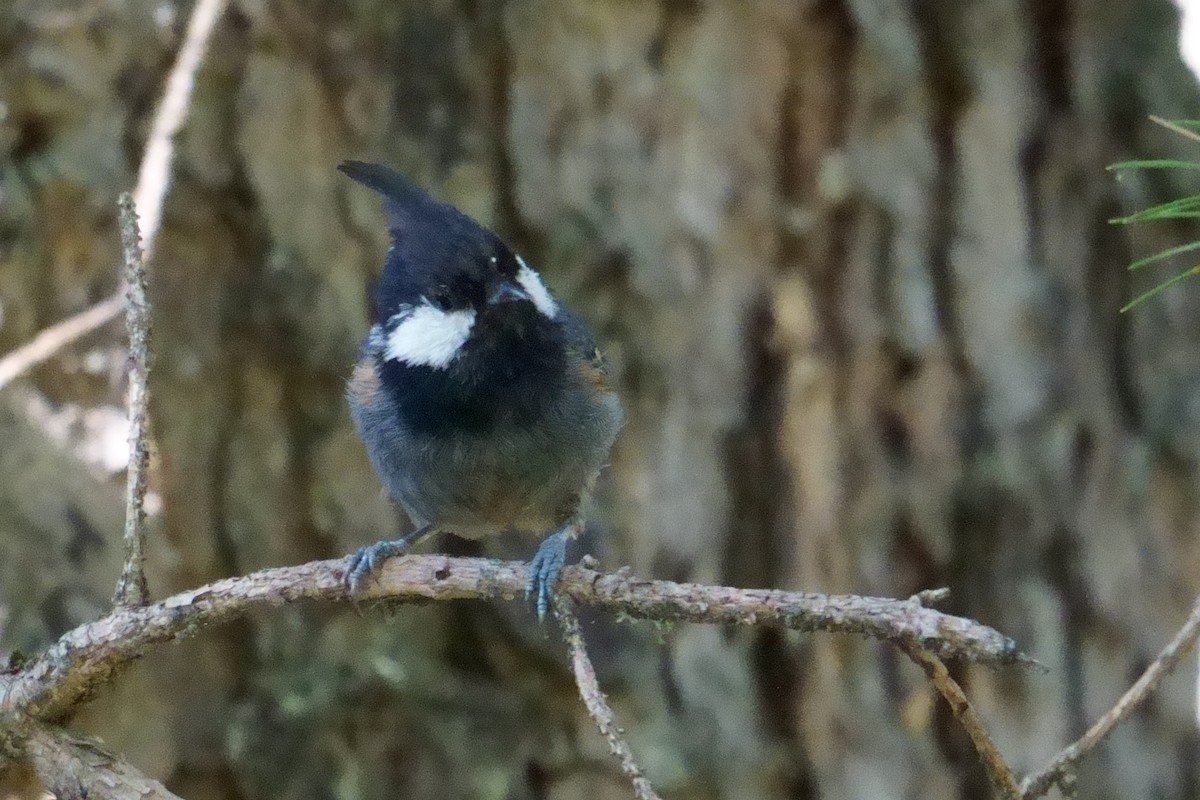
x: 425, y: 336
x: 537, y: 291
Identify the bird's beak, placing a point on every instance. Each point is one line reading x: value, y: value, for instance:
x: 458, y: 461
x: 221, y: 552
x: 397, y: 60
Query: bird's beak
x: 506, y: 293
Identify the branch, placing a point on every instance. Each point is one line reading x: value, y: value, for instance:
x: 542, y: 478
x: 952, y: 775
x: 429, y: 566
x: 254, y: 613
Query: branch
x: 82, y: 660
x: 154, y: 174
x: 1062, y: 767
x: 131, y: 585
x: 593, y: 698
x: 72, y: 766
x: 49, y: 341
x: 997, y: 768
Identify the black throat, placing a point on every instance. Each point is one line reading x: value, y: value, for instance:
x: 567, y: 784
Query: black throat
x: 513, y: 379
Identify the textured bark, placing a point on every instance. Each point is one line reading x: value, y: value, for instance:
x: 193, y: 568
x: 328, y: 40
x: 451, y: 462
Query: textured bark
x: 51, y: 685
x: 74, y: 768
x: 851, y: 263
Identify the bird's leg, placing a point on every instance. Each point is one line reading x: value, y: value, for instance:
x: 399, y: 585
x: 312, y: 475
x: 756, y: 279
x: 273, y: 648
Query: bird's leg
x: 546, y: 565
x: 366, y: 562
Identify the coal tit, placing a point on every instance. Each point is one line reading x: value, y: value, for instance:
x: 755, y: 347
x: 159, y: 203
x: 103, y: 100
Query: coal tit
x: 482, y: 400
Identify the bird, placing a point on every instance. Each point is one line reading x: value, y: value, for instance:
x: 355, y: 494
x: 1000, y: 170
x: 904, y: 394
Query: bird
x: 483, y: 401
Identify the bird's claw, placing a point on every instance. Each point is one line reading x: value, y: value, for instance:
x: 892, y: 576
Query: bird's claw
x: 367, y: 561
x: 544, y: 570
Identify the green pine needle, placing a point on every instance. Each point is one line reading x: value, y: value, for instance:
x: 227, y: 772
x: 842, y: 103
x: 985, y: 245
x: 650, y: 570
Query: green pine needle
x: 1182, y: 208
x: 1154, y: 163
x: 1169, y: 282
x: 1170, y: 252
x: 1191, y: 124
x: 1184, y: 127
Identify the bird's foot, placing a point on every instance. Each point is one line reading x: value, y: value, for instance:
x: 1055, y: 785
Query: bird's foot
x: 545, y: 567
x: 367, y: 561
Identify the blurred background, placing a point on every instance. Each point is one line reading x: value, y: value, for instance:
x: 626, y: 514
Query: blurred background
x: 851, y: 262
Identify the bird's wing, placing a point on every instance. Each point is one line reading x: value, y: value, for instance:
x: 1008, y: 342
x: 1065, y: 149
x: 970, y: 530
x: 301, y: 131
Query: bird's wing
x: 580, y: 342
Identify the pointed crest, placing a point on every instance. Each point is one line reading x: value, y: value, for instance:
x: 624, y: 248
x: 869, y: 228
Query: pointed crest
x: 402, y: 196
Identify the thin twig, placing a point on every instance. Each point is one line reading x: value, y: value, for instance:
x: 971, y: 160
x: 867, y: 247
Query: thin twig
x: 52, y: 684
x: 931, y: 597
x: 597, y: 704
x: 998, y: 771
x: 49, y: 341
x: 154, y: 178
x: 1062, y: 766
x: 131, y: 586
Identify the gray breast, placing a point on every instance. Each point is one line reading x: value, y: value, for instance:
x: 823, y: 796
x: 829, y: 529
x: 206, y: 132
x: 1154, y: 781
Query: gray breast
x: 529, y: 477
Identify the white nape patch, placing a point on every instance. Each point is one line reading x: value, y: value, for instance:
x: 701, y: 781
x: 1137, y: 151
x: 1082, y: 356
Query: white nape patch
x: 424, y: 336
x: 531, y: 282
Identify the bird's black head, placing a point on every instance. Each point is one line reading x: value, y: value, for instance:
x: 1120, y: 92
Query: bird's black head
x: 466, y: 332
x: 451, y: 291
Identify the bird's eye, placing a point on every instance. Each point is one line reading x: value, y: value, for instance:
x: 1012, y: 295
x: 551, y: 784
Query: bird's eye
x: 441, y: 298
